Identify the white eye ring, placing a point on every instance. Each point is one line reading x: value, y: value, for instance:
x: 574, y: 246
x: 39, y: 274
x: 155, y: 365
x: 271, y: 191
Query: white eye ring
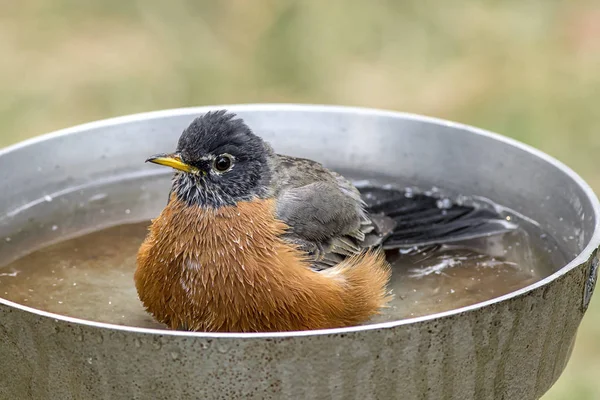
x: 223, y: 163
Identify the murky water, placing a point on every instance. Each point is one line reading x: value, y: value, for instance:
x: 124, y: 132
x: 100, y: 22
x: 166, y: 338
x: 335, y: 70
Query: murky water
x: 443, y: 278
x: 91, y: 276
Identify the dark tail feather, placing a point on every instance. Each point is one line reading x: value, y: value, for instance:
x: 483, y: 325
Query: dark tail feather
x: 422, y: 219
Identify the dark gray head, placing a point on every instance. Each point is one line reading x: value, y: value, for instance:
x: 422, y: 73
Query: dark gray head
x: 219, y: 161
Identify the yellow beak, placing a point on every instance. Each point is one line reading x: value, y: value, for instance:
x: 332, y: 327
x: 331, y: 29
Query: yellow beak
x: 173, y: 161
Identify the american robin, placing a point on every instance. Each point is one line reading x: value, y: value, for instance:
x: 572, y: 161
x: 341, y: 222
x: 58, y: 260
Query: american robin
x: 254, y: 241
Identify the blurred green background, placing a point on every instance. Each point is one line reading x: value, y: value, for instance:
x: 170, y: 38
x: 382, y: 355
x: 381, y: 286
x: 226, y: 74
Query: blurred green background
x: 525, y: 69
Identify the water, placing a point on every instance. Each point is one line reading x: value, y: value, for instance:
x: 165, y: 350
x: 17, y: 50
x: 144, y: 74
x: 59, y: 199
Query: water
x: 444, y: 278
x: 90, y: 276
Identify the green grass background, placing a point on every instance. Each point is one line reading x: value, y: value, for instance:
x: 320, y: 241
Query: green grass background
x: 525, y: 69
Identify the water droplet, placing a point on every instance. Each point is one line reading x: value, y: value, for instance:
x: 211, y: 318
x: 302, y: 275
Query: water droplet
x: 174, y: 355
x: 48, y: 198
x: 443, y: 204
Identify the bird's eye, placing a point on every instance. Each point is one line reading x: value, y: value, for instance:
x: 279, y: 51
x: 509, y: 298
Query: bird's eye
x: 223, y: 162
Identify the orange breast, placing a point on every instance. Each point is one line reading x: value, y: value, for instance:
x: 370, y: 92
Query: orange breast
x: 228, y: 270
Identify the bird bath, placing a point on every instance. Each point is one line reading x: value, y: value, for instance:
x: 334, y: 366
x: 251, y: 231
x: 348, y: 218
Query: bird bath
x: 91, y: 179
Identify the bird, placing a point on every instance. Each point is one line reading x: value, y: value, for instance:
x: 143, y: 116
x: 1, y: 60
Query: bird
x: 255, y: 241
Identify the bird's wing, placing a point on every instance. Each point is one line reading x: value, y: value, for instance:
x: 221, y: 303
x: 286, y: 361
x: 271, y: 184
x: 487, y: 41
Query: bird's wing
x: 422, y: 219
x: 324, y: 220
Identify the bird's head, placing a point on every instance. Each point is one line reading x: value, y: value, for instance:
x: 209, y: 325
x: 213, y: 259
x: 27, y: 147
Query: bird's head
x: 218, y: 162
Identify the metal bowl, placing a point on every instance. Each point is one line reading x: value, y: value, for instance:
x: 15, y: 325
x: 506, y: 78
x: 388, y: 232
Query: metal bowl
x: 511, y: 347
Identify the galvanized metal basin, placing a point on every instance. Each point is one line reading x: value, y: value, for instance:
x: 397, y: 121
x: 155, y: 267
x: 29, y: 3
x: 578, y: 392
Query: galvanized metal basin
x: 512, y: 347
